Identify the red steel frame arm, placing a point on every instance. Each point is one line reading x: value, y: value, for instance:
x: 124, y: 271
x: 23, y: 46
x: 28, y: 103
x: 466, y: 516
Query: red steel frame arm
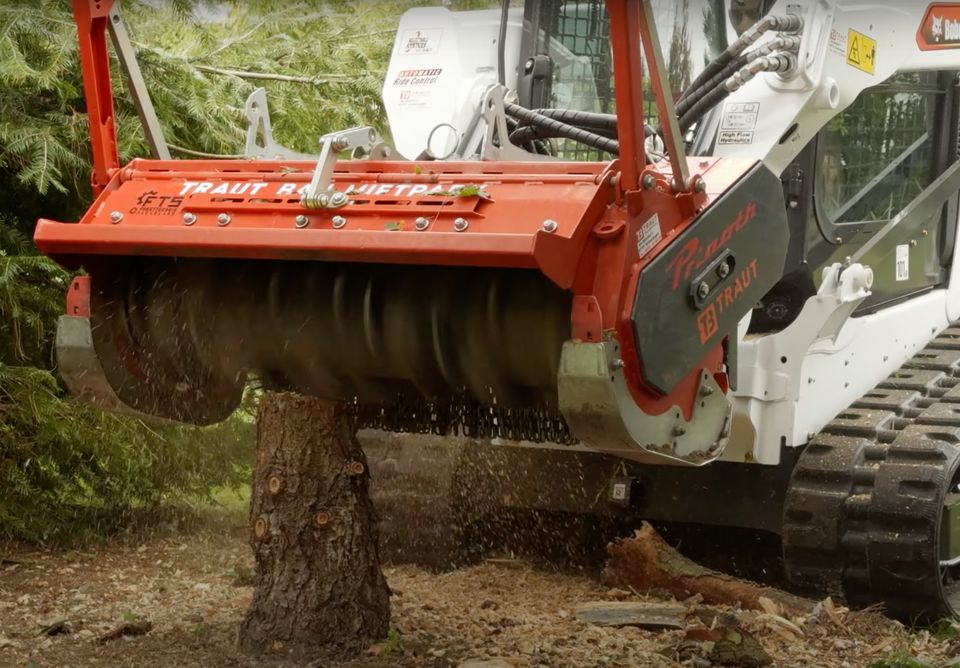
x: 625, y: 24
x: 91, y: 17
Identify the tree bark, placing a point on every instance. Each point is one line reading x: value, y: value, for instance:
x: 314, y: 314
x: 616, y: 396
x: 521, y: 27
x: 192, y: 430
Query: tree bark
x: 645, y: 562
x: 318, y: 580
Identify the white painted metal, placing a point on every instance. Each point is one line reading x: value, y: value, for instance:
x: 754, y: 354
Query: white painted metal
x: 794, y: 382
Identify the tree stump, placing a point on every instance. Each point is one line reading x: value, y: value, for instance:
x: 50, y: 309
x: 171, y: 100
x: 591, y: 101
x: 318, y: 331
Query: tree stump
x: 319, y: 586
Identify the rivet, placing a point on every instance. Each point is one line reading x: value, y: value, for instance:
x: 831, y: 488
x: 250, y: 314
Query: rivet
x: 223, y: 219
x: 421, y: 224
x: 116, y: 217
x: 338, y: 222
x: 301, y: 221
x: 700, y: 185
x: 460, y: 224
x: 838, y: 240
x: 189, y: 218
x: 549, y: 225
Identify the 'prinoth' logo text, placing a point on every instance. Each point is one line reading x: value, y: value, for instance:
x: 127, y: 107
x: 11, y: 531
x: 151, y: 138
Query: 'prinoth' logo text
x: 695, y: 255
x: 271, y: 190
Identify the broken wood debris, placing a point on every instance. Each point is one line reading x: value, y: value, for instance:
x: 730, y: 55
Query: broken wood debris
x: 633, y: 613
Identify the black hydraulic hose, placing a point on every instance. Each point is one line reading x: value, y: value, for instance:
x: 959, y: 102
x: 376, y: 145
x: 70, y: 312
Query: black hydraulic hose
x: 776, y: 63
x: 562, y: 129
x: 789, y: 23
x: 582, y: 119
x: 528, y: 133
x: 702, y: 106
x: 694, y: 95
x: 502, y: 44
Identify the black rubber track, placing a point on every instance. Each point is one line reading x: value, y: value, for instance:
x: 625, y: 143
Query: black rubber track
x: 862, y: 514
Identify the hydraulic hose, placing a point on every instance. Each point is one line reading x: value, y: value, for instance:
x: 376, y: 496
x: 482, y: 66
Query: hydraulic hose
x: 789, y: 24
x: 782, y: 62
x: 782, y: 43
x: 582, y: 119
x: 555, y: 128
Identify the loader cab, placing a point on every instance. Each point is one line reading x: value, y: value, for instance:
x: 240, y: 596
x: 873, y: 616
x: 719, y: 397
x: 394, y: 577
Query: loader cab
x: 692, y: 33
x: 864, y: 168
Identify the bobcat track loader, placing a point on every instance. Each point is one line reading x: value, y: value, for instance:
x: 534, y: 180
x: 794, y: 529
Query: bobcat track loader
x: 690, y: 261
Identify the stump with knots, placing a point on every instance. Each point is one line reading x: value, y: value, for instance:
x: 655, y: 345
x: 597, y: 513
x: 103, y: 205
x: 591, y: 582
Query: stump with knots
x: 319, y: 586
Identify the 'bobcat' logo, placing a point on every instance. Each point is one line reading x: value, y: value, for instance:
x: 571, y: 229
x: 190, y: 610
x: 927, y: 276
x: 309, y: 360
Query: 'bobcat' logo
x: 937, y: 28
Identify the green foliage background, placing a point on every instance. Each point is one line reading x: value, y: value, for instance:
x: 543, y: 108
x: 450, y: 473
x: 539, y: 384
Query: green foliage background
x: 67, y: 470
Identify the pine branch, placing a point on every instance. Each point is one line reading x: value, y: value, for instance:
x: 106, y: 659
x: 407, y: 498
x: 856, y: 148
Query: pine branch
x: 243, y: 74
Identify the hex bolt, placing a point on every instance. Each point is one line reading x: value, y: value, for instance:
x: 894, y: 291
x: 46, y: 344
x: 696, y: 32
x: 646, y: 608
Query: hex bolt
x: 703, y: 289
x: 338, y: 222
x: 116, y: 217
x: 301, y: 221
x: 460, y: 224
x: 699, y: 185
x: 338, y: 199
x: 679, y: 430
x: 648, y: 181
x: 723, y: 270
x: 275, y: 484
x: 706, y: 391
x: 189, y: 218
x: 321, y: 519
x: 223, y: 219
x: 549, y: 225
x: 421, y: 223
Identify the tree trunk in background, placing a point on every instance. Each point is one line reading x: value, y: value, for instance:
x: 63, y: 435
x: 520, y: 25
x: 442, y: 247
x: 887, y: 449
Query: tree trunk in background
x: 319, y: 583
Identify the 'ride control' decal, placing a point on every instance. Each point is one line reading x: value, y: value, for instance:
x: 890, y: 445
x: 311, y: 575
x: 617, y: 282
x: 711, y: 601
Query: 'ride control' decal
x: 940, y: 28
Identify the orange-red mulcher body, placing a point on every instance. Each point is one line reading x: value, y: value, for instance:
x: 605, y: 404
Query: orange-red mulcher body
x: 622, y: 247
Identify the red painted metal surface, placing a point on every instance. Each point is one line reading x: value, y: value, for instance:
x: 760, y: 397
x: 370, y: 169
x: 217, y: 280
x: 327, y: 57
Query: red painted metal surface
x: 78, y: 297
x: 250, y: 209
x: 628, y: 84
x: 91, y: 17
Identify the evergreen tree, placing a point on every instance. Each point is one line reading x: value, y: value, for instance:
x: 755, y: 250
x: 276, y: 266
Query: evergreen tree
x: 322, y: 64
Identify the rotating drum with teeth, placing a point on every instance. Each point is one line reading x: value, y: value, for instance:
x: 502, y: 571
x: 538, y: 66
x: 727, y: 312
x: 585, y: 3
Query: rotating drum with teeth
x: 374, y: 334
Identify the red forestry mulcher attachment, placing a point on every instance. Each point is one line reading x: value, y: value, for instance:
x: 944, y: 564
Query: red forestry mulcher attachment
x: 520, y: 298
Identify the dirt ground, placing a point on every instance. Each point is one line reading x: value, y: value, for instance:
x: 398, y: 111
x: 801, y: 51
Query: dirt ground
x: 193, y: 586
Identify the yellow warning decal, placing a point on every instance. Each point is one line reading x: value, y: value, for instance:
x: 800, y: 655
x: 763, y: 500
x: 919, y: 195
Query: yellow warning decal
x: 861, y: 52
